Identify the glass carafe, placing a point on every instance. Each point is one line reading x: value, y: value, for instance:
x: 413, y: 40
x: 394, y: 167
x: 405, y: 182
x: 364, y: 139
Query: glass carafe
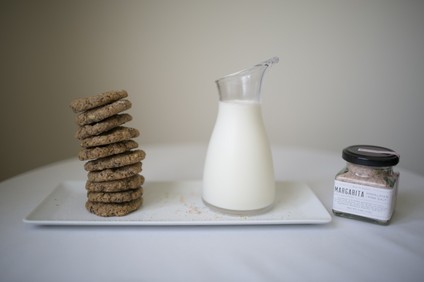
x: 238, y: 174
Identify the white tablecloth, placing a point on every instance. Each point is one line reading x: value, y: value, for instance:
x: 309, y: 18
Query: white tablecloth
x: 343, y: 250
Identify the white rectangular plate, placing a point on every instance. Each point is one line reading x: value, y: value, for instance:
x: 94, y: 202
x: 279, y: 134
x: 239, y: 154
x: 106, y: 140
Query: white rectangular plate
x: 178, y: 203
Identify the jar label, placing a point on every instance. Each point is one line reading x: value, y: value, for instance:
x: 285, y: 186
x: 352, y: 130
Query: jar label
x: 362, y: 200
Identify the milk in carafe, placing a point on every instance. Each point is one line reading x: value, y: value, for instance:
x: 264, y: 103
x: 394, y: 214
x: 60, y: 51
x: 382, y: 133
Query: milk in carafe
x: 238, y: 174
x: 239, y: 171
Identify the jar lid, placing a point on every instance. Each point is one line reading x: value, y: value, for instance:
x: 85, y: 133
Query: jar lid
x: 370, y: 155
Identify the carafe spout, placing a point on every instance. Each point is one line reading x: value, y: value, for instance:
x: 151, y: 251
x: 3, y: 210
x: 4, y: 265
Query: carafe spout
x: 269, y: 62
x: 244, y: 85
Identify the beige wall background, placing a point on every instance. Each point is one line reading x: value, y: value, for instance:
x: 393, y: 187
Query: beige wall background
x: 350, y: 71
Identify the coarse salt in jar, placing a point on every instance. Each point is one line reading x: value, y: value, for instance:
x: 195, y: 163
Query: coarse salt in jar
x: 366, y: 188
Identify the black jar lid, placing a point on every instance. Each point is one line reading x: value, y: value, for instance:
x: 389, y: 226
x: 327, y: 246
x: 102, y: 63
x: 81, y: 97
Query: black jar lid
x: 370, y: 155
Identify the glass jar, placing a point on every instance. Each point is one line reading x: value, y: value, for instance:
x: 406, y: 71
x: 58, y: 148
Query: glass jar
x: 366, y: 188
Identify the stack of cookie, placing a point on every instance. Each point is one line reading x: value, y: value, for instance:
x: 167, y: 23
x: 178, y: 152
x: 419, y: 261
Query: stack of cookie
x: 114, y: 185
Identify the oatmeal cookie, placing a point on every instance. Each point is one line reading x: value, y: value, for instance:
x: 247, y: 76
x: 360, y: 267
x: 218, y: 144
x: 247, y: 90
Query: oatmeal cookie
x: 102, y: 112
x: 115, y: 173
x: 118, y: 134
x: 132, y: 182
x: 106, y: 150
x: 103, y: 126
x: 113, y: 209
x: 113, y: 161
x: 115, y: 197
x: 87, y: 103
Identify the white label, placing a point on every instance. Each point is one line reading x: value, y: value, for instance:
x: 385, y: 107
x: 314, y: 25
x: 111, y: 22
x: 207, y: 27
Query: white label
x: 362, y: 200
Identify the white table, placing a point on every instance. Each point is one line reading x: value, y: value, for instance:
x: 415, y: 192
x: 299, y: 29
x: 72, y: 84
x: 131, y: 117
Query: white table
x: 343, y: 250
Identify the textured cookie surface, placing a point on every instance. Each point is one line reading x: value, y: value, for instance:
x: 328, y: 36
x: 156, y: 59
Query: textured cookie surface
x: 113, y: 161
x: 113, y: 209
x: 103, y: 126
x: 103, y: 112
x: 114, y: 173
x: 83, y: 104
x: 106, y: 150
x: 128, y: 183
x: 115, y: 197
x: 118, y: 134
